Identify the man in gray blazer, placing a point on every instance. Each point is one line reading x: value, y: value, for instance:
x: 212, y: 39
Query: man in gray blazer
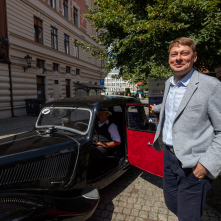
x: 189, y: 132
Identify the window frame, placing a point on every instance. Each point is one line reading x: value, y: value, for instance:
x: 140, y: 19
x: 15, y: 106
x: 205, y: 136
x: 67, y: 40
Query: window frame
x: 66, y: 44
x: 55, y: 67
x: 68, y: 69
x: 52, y: 3
x: 40, y: 61
x: 65, y: 8
x: 38, y: 26
x: 54, y: 36
x: 75, y: 16
x: 78, y: 71
x: 76, y: 49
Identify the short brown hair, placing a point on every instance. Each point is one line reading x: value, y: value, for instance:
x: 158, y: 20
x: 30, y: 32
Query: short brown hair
x: 184, y: 41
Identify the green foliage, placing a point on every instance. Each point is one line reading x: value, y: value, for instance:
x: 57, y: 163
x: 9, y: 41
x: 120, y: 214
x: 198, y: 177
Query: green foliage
x: 138, y: 34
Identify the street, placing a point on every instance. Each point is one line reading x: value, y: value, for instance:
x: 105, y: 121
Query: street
x: 137, y: 195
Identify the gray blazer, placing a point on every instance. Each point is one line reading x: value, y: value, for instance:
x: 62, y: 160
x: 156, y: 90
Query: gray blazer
x: 197, y: 124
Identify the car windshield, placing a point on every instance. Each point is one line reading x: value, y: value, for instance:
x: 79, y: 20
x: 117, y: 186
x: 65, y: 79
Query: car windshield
x: 75, y: 119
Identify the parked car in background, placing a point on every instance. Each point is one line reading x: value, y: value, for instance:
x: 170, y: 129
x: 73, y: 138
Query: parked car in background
x: 47, y: 173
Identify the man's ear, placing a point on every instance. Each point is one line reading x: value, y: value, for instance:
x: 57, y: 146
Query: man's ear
x: 195, y: 57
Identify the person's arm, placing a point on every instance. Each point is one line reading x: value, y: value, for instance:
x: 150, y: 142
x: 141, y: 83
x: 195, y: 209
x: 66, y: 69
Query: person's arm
x: 115, y: 136
x: 108, y: 144
x: 155, y: 108
x: 211, y: 159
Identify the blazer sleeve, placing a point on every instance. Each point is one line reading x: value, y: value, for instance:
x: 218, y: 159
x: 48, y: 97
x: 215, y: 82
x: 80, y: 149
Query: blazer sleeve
x: 211, y: 159
x: 157, y: 108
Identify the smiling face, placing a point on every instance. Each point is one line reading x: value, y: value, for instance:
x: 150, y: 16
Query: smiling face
x: 181, y: 59
x: 102, y: 116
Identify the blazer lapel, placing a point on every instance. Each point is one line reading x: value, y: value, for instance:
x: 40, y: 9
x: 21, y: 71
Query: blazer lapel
x: 167, y: 87
x: 191, y: 88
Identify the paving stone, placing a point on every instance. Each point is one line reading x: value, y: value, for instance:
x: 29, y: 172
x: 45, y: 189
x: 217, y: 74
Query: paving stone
x: 118, y: 209
x: 104, y: 213
x: 146, y: 208
x: 101, y: 206
x: 143, y: 214
x: 110, y: 207
x: 153, y: 215
x: 137, y: 206
x: 172, y: 218
x: 126, y: 211
x: 134, y: 212
x: 130, y: 205
x: 162, y: 217
x: 120, y: 217
x: 129, y: 218
x: 163, y: 210
x: 139, y: 219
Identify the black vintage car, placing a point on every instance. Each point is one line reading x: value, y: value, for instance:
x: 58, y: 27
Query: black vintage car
x: 47, y: 174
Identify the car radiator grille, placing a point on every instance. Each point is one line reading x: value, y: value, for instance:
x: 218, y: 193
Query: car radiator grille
x: 53, y: 167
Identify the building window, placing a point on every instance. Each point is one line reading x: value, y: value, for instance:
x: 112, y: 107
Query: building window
x: 66, y: 44
x: 52, y: 3
x: 38, y: 30
x: 76, y: 49
x: 55, y: 67
x: 40, y: 63
x: 54, y: 38
x: 75, y: 15
x: 65, y: 8
x: 77, y: 71
x: 56, y: 82
x: 68, y: 70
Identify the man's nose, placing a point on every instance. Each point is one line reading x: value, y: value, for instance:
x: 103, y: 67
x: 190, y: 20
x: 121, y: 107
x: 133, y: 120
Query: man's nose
x: 178, y: 57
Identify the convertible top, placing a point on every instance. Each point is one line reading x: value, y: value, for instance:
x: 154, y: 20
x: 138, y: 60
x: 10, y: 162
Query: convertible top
x: 94, y: 102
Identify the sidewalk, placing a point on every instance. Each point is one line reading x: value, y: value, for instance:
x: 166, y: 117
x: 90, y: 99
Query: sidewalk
x: 15, y: 125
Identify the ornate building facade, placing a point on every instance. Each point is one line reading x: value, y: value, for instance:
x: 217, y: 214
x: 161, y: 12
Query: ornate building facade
x: 44, y: 31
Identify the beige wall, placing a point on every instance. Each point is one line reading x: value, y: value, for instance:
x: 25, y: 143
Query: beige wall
x: 20, y: 17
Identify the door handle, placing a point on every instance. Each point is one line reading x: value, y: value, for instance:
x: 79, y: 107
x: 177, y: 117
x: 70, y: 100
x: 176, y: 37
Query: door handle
x: 149, y: 144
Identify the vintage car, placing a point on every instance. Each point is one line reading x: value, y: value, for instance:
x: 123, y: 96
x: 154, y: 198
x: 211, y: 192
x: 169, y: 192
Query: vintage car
x: 47, y: 173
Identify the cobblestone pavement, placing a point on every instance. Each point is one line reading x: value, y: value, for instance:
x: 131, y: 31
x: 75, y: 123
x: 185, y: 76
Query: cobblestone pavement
x: 135, y: 196
x: 138, y: 196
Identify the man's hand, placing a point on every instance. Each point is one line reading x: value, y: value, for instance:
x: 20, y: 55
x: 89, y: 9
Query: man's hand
x: 200, y: 171
x: 100, y: 144
x: 152, y: 109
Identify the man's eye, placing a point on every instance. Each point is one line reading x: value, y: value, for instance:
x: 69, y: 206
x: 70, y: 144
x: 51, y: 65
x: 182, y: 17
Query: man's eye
x: 172, y: 55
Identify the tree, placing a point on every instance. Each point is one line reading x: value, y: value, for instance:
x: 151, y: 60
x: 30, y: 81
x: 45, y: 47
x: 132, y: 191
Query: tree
x: 138, y: 34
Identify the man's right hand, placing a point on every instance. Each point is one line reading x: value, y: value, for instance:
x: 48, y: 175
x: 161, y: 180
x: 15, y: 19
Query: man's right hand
x: 152, y: 109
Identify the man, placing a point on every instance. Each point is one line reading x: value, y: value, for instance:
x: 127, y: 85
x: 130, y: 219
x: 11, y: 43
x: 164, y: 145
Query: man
x: 189, y: 131
x: 108, y: 135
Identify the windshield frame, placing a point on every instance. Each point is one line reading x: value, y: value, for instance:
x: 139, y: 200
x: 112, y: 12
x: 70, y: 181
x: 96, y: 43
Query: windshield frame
x: 62, y: 127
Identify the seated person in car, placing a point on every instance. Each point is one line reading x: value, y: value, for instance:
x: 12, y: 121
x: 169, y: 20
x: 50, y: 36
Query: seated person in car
x: 108, y: 135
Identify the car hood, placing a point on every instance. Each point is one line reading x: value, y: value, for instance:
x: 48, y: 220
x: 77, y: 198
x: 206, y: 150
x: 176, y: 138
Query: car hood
x: 32, y: 144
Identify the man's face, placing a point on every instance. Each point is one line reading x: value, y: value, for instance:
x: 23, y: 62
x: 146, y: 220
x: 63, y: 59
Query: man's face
x: 181, y: 59
x: 102, y: 116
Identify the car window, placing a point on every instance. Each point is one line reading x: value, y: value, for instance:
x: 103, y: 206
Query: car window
x: 138, y: 119
x: 117, y: 109
x: 76, y: 119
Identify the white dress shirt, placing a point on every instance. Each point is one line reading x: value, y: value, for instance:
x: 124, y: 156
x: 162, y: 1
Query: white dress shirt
x: 112, y: 129
x: 174, y: 98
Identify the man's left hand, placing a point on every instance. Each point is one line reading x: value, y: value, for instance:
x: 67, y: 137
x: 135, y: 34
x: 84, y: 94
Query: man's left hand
x: 100, y: 144
x: 199, y: 171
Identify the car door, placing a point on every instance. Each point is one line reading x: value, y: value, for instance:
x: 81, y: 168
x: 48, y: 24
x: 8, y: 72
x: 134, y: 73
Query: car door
x: 141, y: 130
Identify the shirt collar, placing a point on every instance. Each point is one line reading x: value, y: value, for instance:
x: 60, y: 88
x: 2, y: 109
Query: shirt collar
x: 99, y: 124
x: 185, y: 80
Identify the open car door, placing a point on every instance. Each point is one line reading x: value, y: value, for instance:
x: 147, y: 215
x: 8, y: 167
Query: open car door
x: 141, y: 130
